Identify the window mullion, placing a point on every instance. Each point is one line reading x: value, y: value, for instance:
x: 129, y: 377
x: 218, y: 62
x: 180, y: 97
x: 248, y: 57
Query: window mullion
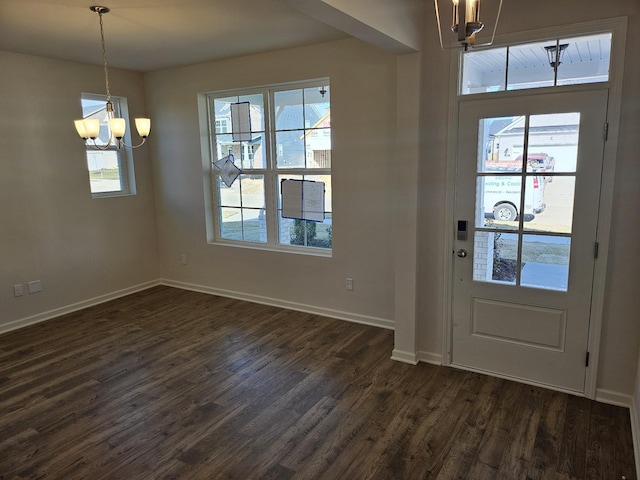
x: 271, y: 189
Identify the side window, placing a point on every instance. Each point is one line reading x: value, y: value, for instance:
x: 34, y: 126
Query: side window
x: 286, y: 135
x: 110, y: 168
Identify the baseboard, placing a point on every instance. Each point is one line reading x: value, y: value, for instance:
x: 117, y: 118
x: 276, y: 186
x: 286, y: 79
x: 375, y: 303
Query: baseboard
x: 275, y: 302
x: 48, y: 315
x: 404, y: 357
x: 613, y: 398
x: 429, y: 357
x: 415, y: 358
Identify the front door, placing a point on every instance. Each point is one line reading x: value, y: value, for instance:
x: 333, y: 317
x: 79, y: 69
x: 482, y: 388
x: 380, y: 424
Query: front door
x: 527, y: 196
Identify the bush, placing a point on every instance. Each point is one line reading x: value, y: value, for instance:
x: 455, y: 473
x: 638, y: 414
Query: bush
x: 298, y: 232
x: 503, y: 268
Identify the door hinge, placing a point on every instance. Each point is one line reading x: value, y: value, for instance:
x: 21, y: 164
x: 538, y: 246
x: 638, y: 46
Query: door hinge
x: 596, y: 248
x: 586, y: 363
x: 606, y: 131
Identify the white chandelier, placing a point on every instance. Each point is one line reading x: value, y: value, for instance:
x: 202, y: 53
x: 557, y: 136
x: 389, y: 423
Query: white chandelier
x: 89, y: 128
x: 465, y: 22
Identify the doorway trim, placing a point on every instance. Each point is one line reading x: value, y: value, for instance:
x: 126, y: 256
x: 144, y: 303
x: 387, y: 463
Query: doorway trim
x: 618, y: 27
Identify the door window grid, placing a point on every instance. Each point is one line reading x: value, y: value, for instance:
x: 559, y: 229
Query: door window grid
x: 527, y: 249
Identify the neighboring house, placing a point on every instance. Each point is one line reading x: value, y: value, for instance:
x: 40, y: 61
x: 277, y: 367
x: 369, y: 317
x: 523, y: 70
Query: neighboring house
x: 319, y: 142
x: 553, y: 135
x: 290, y: 149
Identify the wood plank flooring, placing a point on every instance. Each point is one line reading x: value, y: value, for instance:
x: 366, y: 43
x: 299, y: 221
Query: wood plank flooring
x: 171, y: 384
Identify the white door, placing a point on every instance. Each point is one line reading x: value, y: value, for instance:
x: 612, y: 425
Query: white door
x: 527, y: 196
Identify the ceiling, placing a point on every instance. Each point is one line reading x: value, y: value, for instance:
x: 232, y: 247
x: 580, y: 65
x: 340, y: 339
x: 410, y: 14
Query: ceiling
x: 147, y: 35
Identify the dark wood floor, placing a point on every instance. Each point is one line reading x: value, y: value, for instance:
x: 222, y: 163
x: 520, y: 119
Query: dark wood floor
x: 169, y: 384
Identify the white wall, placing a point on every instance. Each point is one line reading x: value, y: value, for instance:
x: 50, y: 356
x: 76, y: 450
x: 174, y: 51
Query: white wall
x: 50, y: 227
x: 363, y: 112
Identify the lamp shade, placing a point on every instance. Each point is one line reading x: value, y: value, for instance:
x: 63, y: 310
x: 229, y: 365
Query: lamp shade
x: 80, y: 129
x: 117, y: 127
x: 88, y: 128
x: 143, y: 125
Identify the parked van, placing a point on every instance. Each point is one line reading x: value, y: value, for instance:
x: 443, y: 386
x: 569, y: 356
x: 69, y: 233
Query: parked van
x: 502, y: 196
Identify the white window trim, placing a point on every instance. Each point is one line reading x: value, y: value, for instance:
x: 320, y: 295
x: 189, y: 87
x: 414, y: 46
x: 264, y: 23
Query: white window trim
x: 618, y: 27
x: 125, y: 160
x: 207, y: 130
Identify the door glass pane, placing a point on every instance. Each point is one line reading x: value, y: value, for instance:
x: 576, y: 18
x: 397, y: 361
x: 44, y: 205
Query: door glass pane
x: 557, y: 215
x: 500, y: 144
x: 545, y: 262
x: 499, y: 199
x: 495, y: 257
x: 553, y: 142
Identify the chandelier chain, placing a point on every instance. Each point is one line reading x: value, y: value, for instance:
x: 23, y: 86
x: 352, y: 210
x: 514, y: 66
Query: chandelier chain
x: 89, y: 127
x: 104, y: 58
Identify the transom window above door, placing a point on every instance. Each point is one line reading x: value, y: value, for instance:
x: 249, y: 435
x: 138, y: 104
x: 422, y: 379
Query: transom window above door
x: 554, y: 62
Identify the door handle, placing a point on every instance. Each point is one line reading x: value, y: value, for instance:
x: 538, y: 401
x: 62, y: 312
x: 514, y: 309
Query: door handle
x: 461, y: 253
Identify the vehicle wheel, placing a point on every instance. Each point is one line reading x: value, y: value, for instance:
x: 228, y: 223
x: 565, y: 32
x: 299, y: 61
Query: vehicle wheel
x: 505, y: 212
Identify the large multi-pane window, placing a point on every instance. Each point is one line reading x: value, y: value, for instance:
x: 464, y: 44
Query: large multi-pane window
x: 110, y: 168
x: 258, y: 139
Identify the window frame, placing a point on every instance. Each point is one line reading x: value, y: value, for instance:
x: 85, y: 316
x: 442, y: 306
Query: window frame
x: 270, y: 170
x: 124, y: 154
x: 510, y: 41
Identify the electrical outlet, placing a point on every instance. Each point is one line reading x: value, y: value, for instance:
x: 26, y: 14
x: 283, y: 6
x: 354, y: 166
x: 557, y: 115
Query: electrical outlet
x: 349, y: 284
x: 18, y: 290
x: 35, y: 286
x: 184, y: 258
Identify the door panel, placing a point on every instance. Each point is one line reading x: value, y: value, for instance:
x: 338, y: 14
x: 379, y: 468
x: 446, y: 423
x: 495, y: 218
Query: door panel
x: 528, y: 182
